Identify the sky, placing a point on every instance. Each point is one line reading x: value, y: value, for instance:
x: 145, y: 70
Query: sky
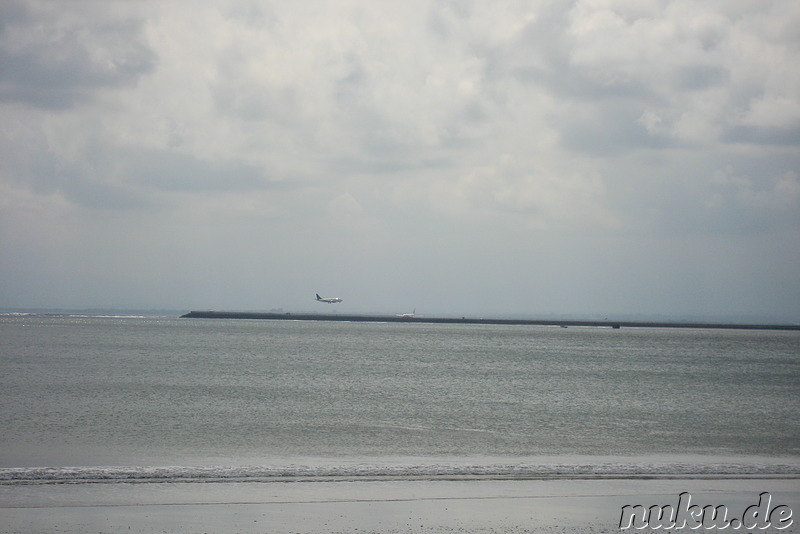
x: 591, y: 158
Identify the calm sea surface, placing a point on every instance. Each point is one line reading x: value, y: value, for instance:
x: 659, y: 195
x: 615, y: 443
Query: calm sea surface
x: 191, y: 398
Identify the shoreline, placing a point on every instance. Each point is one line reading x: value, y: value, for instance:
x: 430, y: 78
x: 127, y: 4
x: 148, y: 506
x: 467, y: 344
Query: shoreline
x: 210, y: 314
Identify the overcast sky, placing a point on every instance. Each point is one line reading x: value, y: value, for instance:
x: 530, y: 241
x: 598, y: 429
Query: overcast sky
x: 594, y: 158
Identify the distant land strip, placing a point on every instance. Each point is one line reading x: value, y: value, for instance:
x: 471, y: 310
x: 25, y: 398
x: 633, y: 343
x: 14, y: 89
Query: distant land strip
x: 468, y: 320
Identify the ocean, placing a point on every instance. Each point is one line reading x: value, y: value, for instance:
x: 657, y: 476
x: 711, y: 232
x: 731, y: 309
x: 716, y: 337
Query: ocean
x: 101, y: 399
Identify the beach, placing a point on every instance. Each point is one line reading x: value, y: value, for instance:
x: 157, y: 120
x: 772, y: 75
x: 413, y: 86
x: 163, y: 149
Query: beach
x: 373, y: 506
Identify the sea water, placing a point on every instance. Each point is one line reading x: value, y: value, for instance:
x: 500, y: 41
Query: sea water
x: 97, y: 398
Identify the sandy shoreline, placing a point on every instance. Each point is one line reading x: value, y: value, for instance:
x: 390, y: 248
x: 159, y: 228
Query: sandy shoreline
x: 402, y: 506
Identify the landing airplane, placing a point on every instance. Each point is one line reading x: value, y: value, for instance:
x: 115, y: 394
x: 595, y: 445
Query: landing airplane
x: 329, y: 300
x: 408, y: 315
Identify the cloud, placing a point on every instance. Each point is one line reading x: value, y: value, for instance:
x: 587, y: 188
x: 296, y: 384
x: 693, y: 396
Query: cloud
x: 54, y: 61
x: 738, y: 202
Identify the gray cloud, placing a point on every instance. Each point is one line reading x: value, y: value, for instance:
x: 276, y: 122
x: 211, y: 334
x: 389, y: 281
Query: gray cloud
x: 788, y: 136
x: 171, y: 171
x: 50, y: 63
x: 610, y: 129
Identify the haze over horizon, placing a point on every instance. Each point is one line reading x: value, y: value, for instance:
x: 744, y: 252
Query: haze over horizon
x: 592, y: 157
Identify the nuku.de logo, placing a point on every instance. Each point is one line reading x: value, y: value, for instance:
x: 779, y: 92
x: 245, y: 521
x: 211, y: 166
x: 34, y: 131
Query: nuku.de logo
x: 692, y: 516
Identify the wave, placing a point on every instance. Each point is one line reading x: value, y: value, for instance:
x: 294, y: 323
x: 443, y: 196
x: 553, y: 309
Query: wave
x: 202, y: 474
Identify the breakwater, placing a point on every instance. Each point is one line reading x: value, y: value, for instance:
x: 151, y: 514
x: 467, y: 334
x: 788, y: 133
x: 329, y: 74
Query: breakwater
x: 469, y: 320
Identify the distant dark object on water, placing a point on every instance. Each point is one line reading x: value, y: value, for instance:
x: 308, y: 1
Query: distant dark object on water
x: 464, y: 320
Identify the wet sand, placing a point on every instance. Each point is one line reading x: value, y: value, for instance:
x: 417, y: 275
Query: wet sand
x: 377, y: 506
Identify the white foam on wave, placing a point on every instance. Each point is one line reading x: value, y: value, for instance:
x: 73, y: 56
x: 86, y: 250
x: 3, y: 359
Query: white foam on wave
x: 398, y: 471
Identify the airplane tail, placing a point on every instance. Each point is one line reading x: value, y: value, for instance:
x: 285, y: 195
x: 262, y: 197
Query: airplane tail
x: 318, y: 297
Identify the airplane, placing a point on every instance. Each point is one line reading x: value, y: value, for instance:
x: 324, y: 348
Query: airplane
x: 329, y: 300
x: 408, y: 315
